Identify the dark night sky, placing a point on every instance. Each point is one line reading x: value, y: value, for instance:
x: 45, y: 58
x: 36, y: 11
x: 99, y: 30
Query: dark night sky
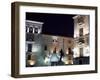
x: 54, y: 24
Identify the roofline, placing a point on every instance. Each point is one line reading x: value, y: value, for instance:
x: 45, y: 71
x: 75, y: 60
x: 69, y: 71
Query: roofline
x: 34, y: 21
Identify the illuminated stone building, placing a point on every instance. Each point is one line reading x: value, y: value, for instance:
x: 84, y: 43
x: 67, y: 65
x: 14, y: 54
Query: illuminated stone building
x: 33, y: 42
x: 81, y: 39
x: 40, y: 46
x: 68, y: 50
x: 63, y: 46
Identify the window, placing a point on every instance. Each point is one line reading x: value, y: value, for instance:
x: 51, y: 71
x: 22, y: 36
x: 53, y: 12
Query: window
x: 81, y: 32
x: 45, y: 47
x: 87, y: 40
x: 81, y: 20
x: 31, y: 30
x: 30, y: 37
x: 26, y: 28
x: 69, y: 41
x: 81, y: 39
x: 36, y: 30
x: 29, y: 57
x: 55, y: 41
x: 29, y: 47
x: 70, y: 51
x: 81, y: 52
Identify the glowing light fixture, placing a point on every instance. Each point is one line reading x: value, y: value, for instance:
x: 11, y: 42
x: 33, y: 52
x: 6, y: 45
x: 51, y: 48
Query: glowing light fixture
x: 31, y: 62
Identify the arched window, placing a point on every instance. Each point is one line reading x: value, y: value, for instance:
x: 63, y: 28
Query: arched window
x: 31, y: 30
x: 36, y: 30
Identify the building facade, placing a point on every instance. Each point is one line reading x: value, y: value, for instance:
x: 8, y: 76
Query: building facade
x: 63, y: 46
x: 81, y: 39
x: 40, y: 47
x: 33, y: 43
x: 52, y: 50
